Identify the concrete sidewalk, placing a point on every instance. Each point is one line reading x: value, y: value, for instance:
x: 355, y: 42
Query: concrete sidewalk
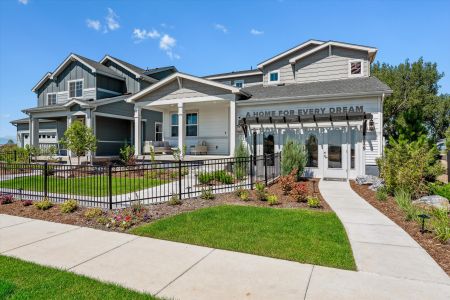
x: 183, y: 271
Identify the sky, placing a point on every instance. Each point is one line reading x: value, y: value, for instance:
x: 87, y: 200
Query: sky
x: 203, y: 37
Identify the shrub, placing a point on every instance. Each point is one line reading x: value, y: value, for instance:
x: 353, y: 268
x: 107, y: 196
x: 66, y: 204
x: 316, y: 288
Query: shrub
x: 69, y: 206
x: 174, y: 200
x: 43, y: 204
x: 27, y: 202
x: 286, y: 182
x: 242, y: 160
x: 441, y: 189
x: 91, y: 213
x: 403, y: 199
x: 239, y: 191
x: 207, y: 194
x: 381, y: 194
x: 440, y: 224
x: 127, y: 155
x: 6, y: 199
x: 102, y: 220
x: 260, y: 190
x: 272, y: 200
x: 137, y: 207
x: 293, y: 158
x: 409, y: 166
x: 205, y: 177
x: 245, y: 195
x: 221, y: 176
x: 313, y: 202
x: 299, y: 192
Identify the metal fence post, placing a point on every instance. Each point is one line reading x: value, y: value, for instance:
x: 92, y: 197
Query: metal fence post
x: 45, y: 179
x: 110, y: 185
x: 15, y: 155
x: 179, y: 179
x: 265, y: 168
x: 251, y: 171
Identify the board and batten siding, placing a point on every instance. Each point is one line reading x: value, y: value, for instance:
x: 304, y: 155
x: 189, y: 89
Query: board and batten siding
x: 321, y: 66
x: 75, y: 70
x: 110, y: 84
x: 131, y: 82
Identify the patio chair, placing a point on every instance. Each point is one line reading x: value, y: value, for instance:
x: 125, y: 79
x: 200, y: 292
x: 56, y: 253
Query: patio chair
x: 200, y: 148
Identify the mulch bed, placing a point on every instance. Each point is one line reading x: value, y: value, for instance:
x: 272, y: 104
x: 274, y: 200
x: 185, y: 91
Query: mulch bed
x: 163, y: 210
x: 439, y: 252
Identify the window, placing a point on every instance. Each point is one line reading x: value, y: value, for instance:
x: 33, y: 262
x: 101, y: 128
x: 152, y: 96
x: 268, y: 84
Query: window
x: 312, y: 149
x: 174, y: 125
x: 355, y: 68
x: 274, y: 76
x: 75, y: 88
x: 239, y: 83
x: 191, y: 124
x: 158, y: 131
x: 51, y: 99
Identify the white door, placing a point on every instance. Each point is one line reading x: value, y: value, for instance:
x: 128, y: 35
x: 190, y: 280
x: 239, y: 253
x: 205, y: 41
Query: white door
x: 335, y: 153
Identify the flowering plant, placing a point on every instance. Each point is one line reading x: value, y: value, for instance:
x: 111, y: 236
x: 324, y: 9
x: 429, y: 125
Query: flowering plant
x: 299, y: 192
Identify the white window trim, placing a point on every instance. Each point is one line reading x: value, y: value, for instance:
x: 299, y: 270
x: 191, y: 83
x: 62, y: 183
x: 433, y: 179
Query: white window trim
x: 56, y: 98
x: 82, y: 87
x: 268, y: 77
x: 350, y: 68
x: 186, y: 124
x: 239, y: 81
x: 162, y: 130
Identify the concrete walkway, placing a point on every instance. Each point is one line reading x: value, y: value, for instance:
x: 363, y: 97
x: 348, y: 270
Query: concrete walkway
x: 182, y: 271
x: 379, y: 245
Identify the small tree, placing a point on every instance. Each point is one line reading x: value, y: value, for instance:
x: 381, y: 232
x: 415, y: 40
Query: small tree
x: 241, y: 156
x: 293, y: 158
x: 79, y: 139
x: 127, y: 155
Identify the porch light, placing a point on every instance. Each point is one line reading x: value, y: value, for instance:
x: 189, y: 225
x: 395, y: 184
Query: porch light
x: 423, y: 217
x: 371, y: 125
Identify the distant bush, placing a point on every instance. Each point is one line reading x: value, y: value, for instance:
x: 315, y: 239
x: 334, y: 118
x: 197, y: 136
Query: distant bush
x: 69, y: 206
x: 260, y: 190
x: 299, y: 192
x: 293, y: 158
x: 43, y: 204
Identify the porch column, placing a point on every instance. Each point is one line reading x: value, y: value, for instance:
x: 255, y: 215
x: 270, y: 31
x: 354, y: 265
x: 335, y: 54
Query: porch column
x: 232, y: 135
x: 137, y: 130
x: 180, y: 128
x: 34, y: 132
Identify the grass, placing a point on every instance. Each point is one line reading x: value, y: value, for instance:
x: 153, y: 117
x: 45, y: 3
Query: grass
x: 86, y: 186
x: 292, y: 234
x: 24, y: 280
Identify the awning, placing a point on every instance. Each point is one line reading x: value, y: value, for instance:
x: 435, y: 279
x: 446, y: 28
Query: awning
x: 314, y: 118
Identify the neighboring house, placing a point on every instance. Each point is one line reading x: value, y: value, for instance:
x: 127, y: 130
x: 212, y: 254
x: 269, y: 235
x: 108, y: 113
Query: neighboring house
x: 93, y: 92
x: 319, y: 93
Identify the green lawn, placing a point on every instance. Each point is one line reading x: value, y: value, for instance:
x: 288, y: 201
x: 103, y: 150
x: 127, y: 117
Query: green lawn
x: 87, y: 186
x: 294, y: 234
x: 24, y: 280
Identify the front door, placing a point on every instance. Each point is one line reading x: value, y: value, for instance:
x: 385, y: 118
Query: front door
x: 335, y: 153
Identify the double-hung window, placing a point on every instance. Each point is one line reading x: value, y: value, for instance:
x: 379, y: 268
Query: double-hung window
x: 239, y: 83
x: 174, y: 125
x: 158, y: 131
x: 51, y: 99
x: 191, y: 124
x: 75, y: 88
x: 274, y: 77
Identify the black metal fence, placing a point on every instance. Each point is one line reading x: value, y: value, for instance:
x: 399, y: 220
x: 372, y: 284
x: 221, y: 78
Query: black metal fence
x: 114, y: 186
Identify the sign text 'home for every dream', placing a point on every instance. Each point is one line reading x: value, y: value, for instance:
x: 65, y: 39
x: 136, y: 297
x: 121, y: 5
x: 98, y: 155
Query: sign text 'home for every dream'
x: 305, y: 111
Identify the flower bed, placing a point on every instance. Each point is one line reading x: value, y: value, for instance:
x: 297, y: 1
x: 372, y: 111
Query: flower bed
x: 437, y: 250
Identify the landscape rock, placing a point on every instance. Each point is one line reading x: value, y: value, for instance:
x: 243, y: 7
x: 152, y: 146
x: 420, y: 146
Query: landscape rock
x: 379, y: 183
x: 366, y: 179
x: 433, y: 201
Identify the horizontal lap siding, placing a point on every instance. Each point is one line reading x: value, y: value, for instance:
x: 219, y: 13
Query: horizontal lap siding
x: 248, y: 80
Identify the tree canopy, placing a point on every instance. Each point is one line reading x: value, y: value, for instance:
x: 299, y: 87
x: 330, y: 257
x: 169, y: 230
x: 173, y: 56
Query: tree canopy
x: 79, y: 139
x: 415, y: 107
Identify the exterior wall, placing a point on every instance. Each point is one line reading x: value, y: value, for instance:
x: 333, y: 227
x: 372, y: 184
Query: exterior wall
x: 74, y: 70
x: 162, y: 75
x: 248, y: 80
x: 115, y: 86
x: 320, y: 66
x: 120, y: 108
x: 213, y: 127
x: 151, y: 117
x: 131, y: 82
x: 111, y: 135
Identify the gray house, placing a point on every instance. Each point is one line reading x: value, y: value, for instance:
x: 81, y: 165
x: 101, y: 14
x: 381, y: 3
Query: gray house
x: 94, y: 92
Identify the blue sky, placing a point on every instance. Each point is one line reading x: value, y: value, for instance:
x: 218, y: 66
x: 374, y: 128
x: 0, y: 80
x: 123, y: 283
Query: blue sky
x: 203, y: 37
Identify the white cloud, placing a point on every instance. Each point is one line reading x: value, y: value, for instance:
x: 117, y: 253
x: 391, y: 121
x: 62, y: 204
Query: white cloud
x: 111, y: 20
x: 94, y: 24
x: 142, y: 34
x: 24, y: 2
x: 167, y: 42
x: 221, y: 27
x: 256, y: 32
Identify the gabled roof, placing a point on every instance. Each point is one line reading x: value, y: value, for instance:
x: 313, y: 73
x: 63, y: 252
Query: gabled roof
x: 372, y: 51
x: 234, y: 74
x: 137, y: 71
x: 41, y: 82
x: 159, y: 69
x: 178, y: 75
x: 319, y: 89
x: 283, y: 54
x: 95, y: 67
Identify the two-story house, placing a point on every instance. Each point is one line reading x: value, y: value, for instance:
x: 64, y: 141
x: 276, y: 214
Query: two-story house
x: 93, y: 92
x: 319, y: 93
